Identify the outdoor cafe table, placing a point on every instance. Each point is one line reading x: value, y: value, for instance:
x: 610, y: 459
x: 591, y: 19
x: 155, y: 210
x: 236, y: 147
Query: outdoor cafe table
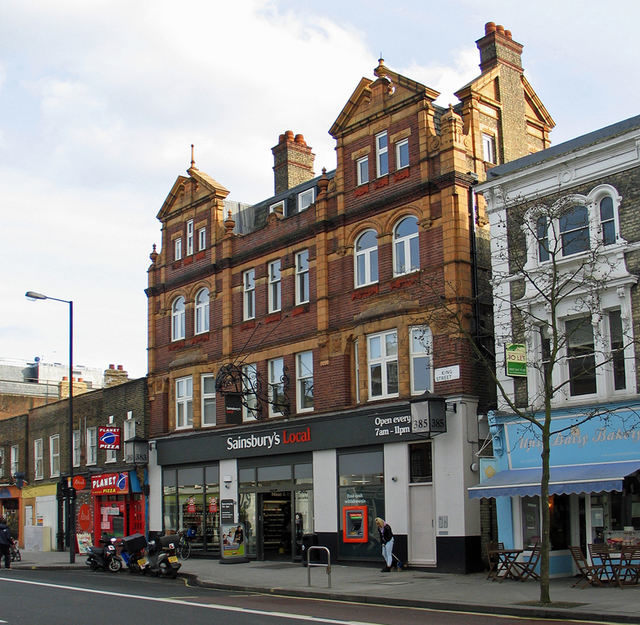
x: 505, y: 560
x: 618, y: 564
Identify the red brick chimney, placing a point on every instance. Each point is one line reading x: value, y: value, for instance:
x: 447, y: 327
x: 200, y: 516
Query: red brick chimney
x: 497, y: 46
x: 293, y: 162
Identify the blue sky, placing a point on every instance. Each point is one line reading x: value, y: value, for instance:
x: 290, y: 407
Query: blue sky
x: 101, y: 99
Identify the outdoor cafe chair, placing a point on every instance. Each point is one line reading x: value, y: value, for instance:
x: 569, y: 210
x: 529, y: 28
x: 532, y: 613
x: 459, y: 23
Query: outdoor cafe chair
x: 601, y: 557
x: 589, y: 573
x: 493, y: 558
x: 627, y: 569
x: 525, y: 569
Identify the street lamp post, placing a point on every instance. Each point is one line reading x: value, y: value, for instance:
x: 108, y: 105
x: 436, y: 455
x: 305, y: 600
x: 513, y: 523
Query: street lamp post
x: 71, y: 521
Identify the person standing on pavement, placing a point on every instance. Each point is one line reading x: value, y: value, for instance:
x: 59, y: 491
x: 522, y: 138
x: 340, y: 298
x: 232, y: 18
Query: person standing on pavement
x: 386, y: 538
x: 5, y: 543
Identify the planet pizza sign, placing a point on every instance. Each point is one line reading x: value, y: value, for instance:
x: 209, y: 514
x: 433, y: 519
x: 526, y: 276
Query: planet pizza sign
x: 110, y: 484
x: 108, y: 437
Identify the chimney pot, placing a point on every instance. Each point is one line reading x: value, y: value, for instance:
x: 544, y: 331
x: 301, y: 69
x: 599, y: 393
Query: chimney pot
x: 64, y: 378
x: 112, y: 366
x: 500, y: 29
x: 489, y: 27
x: 300, y: 139
x: 119, y: 367
x: 80, y: 379
x: 289, y: 135
x: 507, y: 34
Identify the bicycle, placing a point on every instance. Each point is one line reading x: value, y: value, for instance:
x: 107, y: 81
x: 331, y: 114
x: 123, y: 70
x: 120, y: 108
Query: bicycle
x: 184, y: 546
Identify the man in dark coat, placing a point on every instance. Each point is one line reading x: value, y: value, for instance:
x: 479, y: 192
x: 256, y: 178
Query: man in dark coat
x: 5, y: 543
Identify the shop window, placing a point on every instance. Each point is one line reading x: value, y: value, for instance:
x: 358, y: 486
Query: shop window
x: 530, y: 520
x: 560, y: 516
x: 169, y: 503
x: 303, y: 473
x: 272, y: 476
x: 420, y: 463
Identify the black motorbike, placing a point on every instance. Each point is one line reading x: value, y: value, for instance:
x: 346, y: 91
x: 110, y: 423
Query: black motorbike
x: 105, y: 557
x: 133, y: 553
x: 161, y: 558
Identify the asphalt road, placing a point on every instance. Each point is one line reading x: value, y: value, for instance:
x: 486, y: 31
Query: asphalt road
x: 95, y: 598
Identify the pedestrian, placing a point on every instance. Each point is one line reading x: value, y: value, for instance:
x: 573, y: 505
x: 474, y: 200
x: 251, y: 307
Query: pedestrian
x: 5, y: 543
x: 386, y: 538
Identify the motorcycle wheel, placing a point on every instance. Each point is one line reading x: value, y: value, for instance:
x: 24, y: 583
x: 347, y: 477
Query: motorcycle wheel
x: 115, y: 564
x: 92, y: 564
x: 166, y: 570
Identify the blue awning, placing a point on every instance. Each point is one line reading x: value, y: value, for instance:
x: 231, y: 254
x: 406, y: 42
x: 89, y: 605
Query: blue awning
x: 580, y: 478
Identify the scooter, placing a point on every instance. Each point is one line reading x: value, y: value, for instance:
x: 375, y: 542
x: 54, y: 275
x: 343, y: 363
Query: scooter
x: 133, y: 553
x: 161, y: 558
x: 105, y: 557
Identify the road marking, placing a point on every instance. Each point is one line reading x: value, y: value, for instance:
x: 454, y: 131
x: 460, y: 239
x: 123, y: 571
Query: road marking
x: 281, y: 615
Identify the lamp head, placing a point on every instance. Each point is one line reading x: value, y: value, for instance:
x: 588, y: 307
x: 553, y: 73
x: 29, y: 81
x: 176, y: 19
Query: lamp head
x: 33, y: 295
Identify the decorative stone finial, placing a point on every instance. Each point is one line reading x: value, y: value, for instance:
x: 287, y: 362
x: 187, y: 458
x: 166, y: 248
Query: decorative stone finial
x: 153, y: 254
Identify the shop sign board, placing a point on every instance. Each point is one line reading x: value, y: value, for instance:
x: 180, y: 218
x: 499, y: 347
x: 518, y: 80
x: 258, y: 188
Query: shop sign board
x: 515, y: 358
x: 110, y: 484
x: 226, y: 511
x: 108, y: 437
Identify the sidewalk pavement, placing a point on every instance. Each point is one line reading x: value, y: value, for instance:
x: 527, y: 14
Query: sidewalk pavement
x: 409, y: 587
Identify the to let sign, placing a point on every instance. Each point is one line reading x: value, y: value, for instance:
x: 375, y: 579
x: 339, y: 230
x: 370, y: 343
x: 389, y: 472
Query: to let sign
x: 515, y: 358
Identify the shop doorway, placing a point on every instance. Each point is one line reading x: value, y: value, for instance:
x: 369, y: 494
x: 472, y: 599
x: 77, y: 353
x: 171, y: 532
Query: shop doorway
x: 275, y: 518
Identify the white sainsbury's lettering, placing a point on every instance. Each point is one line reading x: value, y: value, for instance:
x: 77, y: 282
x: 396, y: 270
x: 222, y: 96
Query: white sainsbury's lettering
x: 269, y: 440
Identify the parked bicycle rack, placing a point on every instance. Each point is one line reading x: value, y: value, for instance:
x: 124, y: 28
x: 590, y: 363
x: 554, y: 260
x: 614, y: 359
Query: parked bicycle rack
x: 310, y: 564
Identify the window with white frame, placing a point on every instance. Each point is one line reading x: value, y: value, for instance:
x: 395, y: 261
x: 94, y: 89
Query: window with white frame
x: 177, y: 248
x: 382, y: 154
x: 92, y: 445
x: 1, y: 462
x: 304, y: 381
x: 178, y: 319
x: 402, y: 154
x: 489, y: 148
x: 208, y: 393
x: 202, y: 239
x: 249, y: 294
x: 275, y: 286
x: 111, y: 455
x: 184, y: 403
x: 366, y: 258
x: 15, y: 459
x: 306, y: 199
x: 128, y: 429
x: 38, y: 459
x: 302, y: 277
x: 617, y: 343
x: 581, y: 358
x: 278, y: 207
x: 77, y: 447
x: 54, y: 455
x: 574, y: 224
x: 249, y: 385
x: 362, y: 170
x: 406, y: 247
x: 202, y: 311
x: 190, y: 237
x: 276, y: 386
x: 382, y: 357
x: 420, y: 350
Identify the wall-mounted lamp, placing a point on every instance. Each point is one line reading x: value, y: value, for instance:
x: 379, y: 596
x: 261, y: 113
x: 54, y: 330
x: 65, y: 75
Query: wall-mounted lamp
x: 474, y: 467
x: 394, y: 479
x: 227, y: 479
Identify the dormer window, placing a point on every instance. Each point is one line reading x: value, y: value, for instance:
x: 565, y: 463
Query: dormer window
x: 305, y: 199
x: 278, y: 207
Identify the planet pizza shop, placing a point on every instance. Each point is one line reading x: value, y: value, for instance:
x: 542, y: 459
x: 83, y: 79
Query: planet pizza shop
x: 318, y: 480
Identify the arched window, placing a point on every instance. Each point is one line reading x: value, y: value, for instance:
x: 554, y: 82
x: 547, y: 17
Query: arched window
x: 366, y: 258
x: 177, y: 319
x: 202, y: 311
x: 406, y: 253
x: 607, y: 220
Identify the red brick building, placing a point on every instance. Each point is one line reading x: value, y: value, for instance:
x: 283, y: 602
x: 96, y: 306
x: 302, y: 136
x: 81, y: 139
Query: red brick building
x: 287, y: 338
